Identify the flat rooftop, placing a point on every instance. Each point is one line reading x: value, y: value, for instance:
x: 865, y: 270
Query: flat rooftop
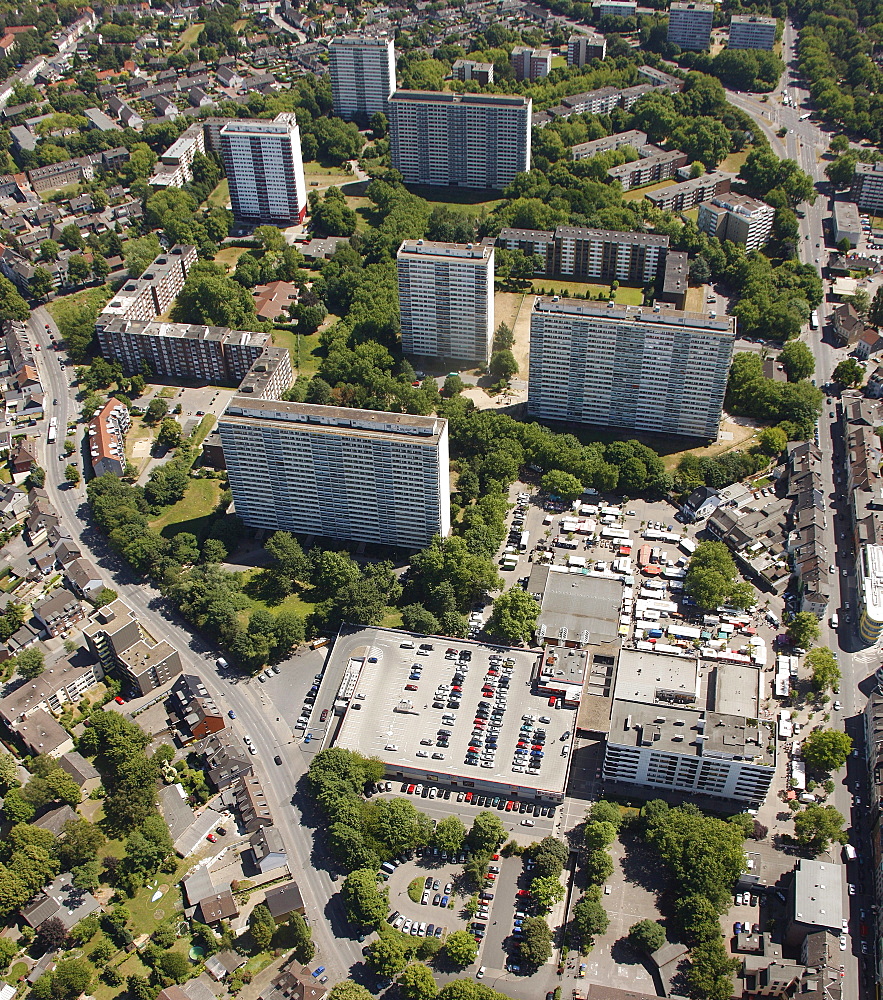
x: 659, y: 677
x: 316, y: 419
x: 390, y: 715
x: 445, y: 251
x: 587, y: 607
x: 818, y: 893
x: 637, y: 314
x: 477, y: 100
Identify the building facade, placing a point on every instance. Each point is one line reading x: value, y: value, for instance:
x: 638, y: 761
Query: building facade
x: 684, y: 195
x: 867, y: 187
x: 737, y: 218
x: 363, y: 75
x: 585, y: 150
x: 478, y: 141
x: 265, y: 169
x: 752, y: 31
x: 469, y: 69
x: 689, y: 24
x: 583, y: 48
x: 847, y: 223
x: 446, y: 299
x: 658, y: 166
x: 641, y: 368
x: 338, y: 473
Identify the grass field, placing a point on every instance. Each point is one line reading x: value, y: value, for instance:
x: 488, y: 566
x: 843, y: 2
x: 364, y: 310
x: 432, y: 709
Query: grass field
x: 70, y: 191
x: 99, y: 296
x: 304, y: 356
x: 317, y: 175
x: 188, y: 37
x: 637, y: 193
x: 362, y: 208
x: 554, y: 286
x: 193, y: 513
x: 469, y: 202
x: 734, y: 162
x: 229, y: 255
x: 220, y: 197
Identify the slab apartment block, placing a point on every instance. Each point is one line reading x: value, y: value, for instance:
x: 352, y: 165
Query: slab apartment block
x: 751, y: 31
x: 684, y: 195
x: 591, y: 254
x: 446, y: 299
x: 689, y: 25
x: 150, y: 295
x: 648, y: 369
x: 614, y: 8
x: 530, y: 64
x: 867, y: 187
x: 478, y: 141
x: 335, y: 472
x: 584, y: 150
x: 470, y: 69
x: 363, y: 75
x: 265, y: 170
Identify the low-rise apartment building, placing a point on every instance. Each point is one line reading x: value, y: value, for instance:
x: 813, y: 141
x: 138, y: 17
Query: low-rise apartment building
x: 107, y: 438
x: 469, y: 69
x: 59, y: 612
x: 658, y: 166
x: 684, y: 195
x: 116, y: 637
x: 847, y: 223
x: 60, y: 684
x: 528, y: 63
x: 175, y: 166
x: 584, y: 150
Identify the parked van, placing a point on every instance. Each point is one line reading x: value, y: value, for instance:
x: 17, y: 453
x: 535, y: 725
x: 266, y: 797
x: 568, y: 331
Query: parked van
x: 388, y: 867
x: 849, y: 853
x: 407, y: 644
x: 835, y: 621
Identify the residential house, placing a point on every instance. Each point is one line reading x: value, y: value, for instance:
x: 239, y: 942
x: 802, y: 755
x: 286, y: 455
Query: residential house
x: 868, y: 343
x: 82, y: 771
x: 293, y: 983
x: 284, y: 900
x: 54, y: 820
x: 41, y: 734
x: 846, y: 323
x: 221, y: 906
x: 701, y: 503
x: 196, y: 713
x: 250, y: 802
x: 223, y: 964
x: 268, y: 849
x: 60, y: 899
x: 59, y: 613
x: 83, y: 578
x: 66, y: 552
x: 22, y: 459
x: 224, y: 759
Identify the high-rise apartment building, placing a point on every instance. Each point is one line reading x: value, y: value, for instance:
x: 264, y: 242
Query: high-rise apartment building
x: 585, y: 47
x: 689, y: 24
x: 336, y: 472
x: 751, y: 31
x: 363, y: 75
x: 737, y: 218
x: 867, y: 187
x: 530, y: 64
x: 446, y: 299
x: 614, y: 8
x: 265, y: 170
x: 641, y: 368
x: 476, y: 141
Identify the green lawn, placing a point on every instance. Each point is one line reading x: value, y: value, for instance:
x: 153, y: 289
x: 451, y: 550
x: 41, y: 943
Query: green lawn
x: 317, y: 175
x: 305, y: 357
x: 734, y: 162
x: 362, y: 208
x: 193, y: 513
x: 228, y: 256
x: 555, y: 286
x: 463, y: 199
x: 254, y: 591
x: 68, y: 191
x: 99, y: 295
x: 220, y: 197
x: 188, y: 37
x: 636, y: 193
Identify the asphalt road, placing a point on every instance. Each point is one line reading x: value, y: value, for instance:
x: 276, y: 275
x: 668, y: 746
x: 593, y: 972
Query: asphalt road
x: 804, y: 142
x: 254, y: 708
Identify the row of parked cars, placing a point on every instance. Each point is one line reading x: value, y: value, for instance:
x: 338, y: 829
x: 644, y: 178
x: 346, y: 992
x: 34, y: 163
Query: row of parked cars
x: 415, y: 927
x: 473, y: 798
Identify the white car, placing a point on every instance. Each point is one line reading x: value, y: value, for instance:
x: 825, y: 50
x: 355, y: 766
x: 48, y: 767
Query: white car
x: 481, y: 972
x: 843, y: 942
x: 844, y: 923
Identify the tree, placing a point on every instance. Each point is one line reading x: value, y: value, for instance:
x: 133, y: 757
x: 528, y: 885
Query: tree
x: 487, y: 833
x: 875, y: 311
x: 460, y: 949
x: 72, y: 475
x: 213, y: 550
x: 589, y: 916
x: 826, y: 749
x: 504, y: 338
x: 387, y: 955
x: 301, y: 938
x: 51, y: 935
x: 107, y: 595
x: 772, y: 441
x: 449, y: 835
x: 514, y: 616
x: 803, y: 629
x: 348, y: 990
x: 825, y: 672
x: 71, y: 238
x: 798, y: 360
x: 12, y: 305
x: 453, y: 386
x: 156, y: 410
x: 366, y: 905
x: 8, y: 951
x: 78, y: 269
x: 561, y: 484
x: 711, y: 970
x: 598, y: 867
x: 8, y: 772
x: 175, y: 965
x: 817, y: 825
x: 712, y: 578
x: 599, y: 834
x: 262, y: 926
x: 416, y: 982
x: 502, y: 366
x: 49, y: 250
x: 71, y: 978
x: 546, y: 892
x: 416, y: 618
x: 30, y: 663
x: 549, y: 857
x: 41, y: 283
x: 647, y: 936
x: 536, y: 944
x: 849, y: 372
x: 169, y: 433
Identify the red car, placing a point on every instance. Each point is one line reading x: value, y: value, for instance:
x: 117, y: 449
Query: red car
x: 212, y: 838
x: 490, y: 877
x: 119, y: 700
x: 509, y: 805
x: 411, y: 789
x: 522, y: 893
x: 552, y: 701
x: 410, y: 687
x: 863, y: 930
x: 469, y: 796
x: 324, y: 715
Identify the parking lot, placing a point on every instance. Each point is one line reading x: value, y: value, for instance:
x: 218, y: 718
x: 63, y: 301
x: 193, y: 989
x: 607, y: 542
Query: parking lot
x: 440, y: 880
